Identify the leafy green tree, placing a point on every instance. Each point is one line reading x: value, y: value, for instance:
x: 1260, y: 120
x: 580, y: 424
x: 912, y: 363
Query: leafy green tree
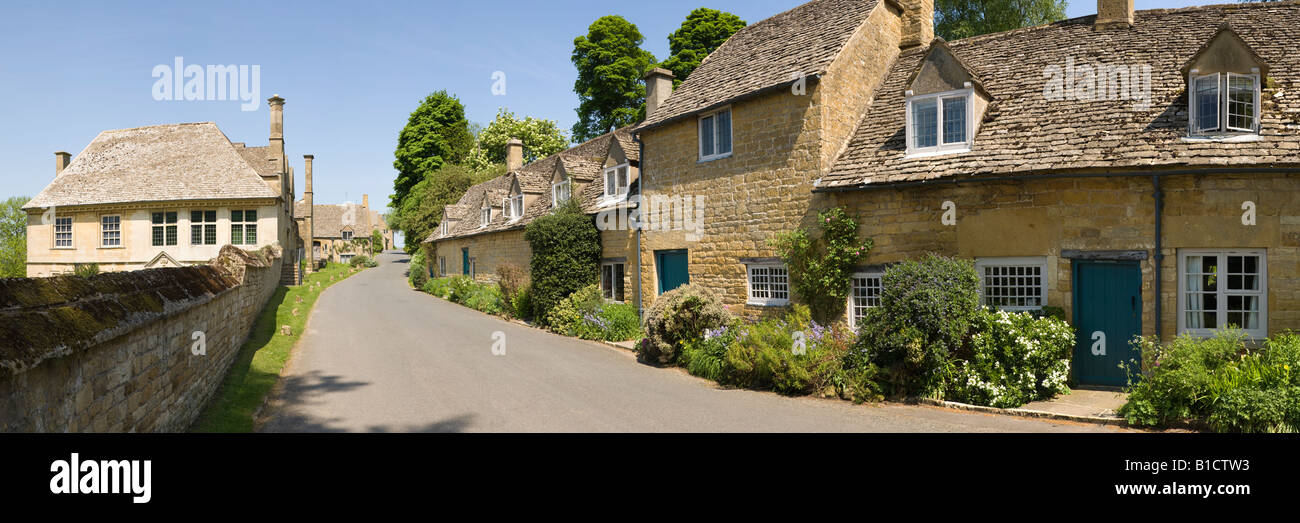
x: 821, y: 269
x: 421, y: 212
x: 703, y: 31
x: 956, y: 19
x: 13, y: 238
x: 566, y: 256
x: 541, y: 138
x: 376, y: 242
x: 611, y: 65
x: 436, y: 134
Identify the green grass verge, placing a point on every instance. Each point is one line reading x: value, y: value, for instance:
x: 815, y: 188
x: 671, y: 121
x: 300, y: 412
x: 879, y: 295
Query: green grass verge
x: 262, y: 357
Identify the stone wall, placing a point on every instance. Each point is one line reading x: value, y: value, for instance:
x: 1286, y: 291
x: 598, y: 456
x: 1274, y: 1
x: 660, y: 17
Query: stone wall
x: 487, y: 252
x: 115, y: 352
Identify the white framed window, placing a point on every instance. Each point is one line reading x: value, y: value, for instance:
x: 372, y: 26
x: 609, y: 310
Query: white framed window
x: 1222, y: 287
x: 484, y: 216
x: 560, y: 192
x: 1223, y: 103
x: 442, y: 266
x: 164, y: 228
x: 347, y: 236
x: 865, y: 290
x: 444, y: 225
x: 110, y: 231
x: 203, y: 227
x: 513, y: 207
x: 1013, y: 284
x: 243, y: 227
x: 715, y: 135
x: 616, y: 181
x: 768, y: 284
x: 63, y: 232
x: 940, y: 123
x: 611, y: 281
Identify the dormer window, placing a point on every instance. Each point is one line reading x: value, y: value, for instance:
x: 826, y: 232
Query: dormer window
x: 485, y: 216
x: 513, y: 207
x: 1223, y: 103
x: 445, y: 226
x: 939, y: 123
x: 560, y: 192
x: 616, y: 181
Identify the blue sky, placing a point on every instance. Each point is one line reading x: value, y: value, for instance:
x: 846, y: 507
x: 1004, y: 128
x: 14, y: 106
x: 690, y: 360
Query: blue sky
x: 351, y: 72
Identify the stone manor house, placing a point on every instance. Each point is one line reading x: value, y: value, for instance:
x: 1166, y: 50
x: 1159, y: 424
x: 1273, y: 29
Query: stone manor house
x: 1139, y: 170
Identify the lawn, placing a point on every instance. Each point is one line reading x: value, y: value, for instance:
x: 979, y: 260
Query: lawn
x: 262, y: 357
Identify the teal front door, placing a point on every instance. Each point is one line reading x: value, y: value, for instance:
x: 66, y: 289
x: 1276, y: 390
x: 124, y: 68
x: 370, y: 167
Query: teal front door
x: 464, y: 261
x: 1107, y: 314
x: 672, y: 269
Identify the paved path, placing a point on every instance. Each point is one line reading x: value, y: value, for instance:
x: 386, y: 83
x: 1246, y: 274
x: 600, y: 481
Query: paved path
x: 380, y: 357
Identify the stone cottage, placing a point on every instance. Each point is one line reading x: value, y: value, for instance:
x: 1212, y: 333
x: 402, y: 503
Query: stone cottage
x: 1136, y: 169
x: 484, y: 230
x: 163, y: 196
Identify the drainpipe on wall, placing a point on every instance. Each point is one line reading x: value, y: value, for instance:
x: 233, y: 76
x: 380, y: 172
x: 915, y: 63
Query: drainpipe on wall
x: 1159, y: 255
x: 641, y: 179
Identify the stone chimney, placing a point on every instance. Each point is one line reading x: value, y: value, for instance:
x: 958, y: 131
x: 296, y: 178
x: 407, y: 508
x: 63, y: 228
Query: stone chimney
x: 61, y: 161
x: 1114, y: 14
x: 365, y: 201
x: 514, y: 154
x: 307, y: 200
x: 658, y: 85
x: 918, y: 23
x: 277, y: 130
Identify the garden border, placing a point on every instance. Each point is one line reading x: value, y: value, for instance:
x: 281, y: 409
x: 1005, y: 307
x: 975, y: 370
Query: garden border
x: 1026, y: 413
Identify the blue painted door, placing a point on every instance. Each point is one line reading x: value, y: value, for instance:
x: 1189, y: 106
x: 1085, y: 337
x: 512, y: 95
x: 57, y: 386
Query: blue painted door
x: 1108, y: 315
x: 464, y: 260
x: 672, y: 268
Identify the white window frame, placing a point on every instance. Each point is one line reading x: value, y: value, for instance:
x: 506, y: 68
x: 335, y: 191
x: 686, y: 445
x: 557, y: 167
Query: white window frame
x: 103, y: 232
x: 1221, y: 314
x: 565, y: 184
x: 612, y: 293
x: 445, y: 225
x: 614, y: 191
x: 853, y: 293
x: 1015, y: 262
x: 940, y: 146
x: 347, y: 236
x: 164, y: 225
x: 71, y: 237
x: 717, y: 132
x: 508, y: 207
x: 484, y: 216
x: 1223, y: 81
x: 442, y: 266
x: 769, y: 300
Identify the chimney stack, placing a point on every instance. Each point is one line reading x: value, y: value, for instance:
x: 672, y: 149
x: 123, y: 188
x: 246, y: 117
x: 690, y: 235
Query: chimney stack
x: 365, y: 201
x: 277, y: 131
x: 61, y: 161
x: 514, y: 154
x: 1114, y: 14
x: 658, y: 85
x: 311, y: 212
x: 918, y: 23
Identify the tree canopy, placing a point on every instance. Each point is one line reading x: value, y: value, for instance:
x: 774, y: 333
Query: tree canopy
x: 703, y: 31
x: 611, y: 65
x: 541, y: 138
x: 437, y: 133
x: 13, y: 238
x: 956, y: 19
x: 421, y: 211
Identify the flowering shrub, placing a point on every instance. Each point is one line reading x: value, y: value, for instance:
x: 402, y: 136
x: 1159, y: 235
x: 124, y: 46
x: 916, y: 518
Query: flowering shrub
x: 465, y: 291
x: 585, y: 314
x: 1012, y: 359
x: 1219, y: 383
x: 821, y: 271
x: 677, y: 316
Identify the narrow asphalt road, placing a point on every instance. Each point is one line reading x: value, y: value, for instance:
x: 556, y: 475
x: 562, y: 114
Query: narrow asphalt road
x: 380, y: 357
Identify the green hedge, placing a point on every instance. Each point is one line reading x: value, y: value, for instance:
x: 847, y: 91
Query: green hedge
x: 566, y: 256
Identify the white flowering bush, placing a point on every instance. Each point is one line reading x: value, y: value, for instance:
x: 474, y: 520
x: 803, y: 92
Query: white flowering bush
x: 1012, y: 359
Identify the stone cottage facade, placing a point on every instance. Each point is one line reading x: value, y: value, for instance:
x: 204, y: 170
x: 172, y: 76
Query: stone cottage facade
x: 1138, y: 170
x: 161, y: 196
x: 484, y: 230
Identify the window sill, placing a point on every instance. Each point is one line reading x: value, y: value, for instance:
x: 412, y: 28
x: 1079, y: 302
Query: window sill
x: 1254, y: 335
x: 63, y: 248
x: 940, y: 152
x: 767, y: 303
x: 111, y: 247
x: 1222, y: 138
x: 705, y: 159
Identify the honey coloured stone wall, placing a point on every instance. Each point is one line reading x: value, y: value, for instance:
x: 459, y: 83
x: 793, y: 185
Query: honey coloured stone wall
x: 117, y: 352
x: 487, y: 252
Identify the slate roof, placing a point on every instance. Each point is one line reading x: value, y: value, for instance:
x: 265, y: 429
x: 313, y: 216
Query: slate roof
x: 1024, y: 133
x: 765, y: 55
x: 262, y: 159
x: 328, y: 220
x: 173, y: 162
x: 584, y: 162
